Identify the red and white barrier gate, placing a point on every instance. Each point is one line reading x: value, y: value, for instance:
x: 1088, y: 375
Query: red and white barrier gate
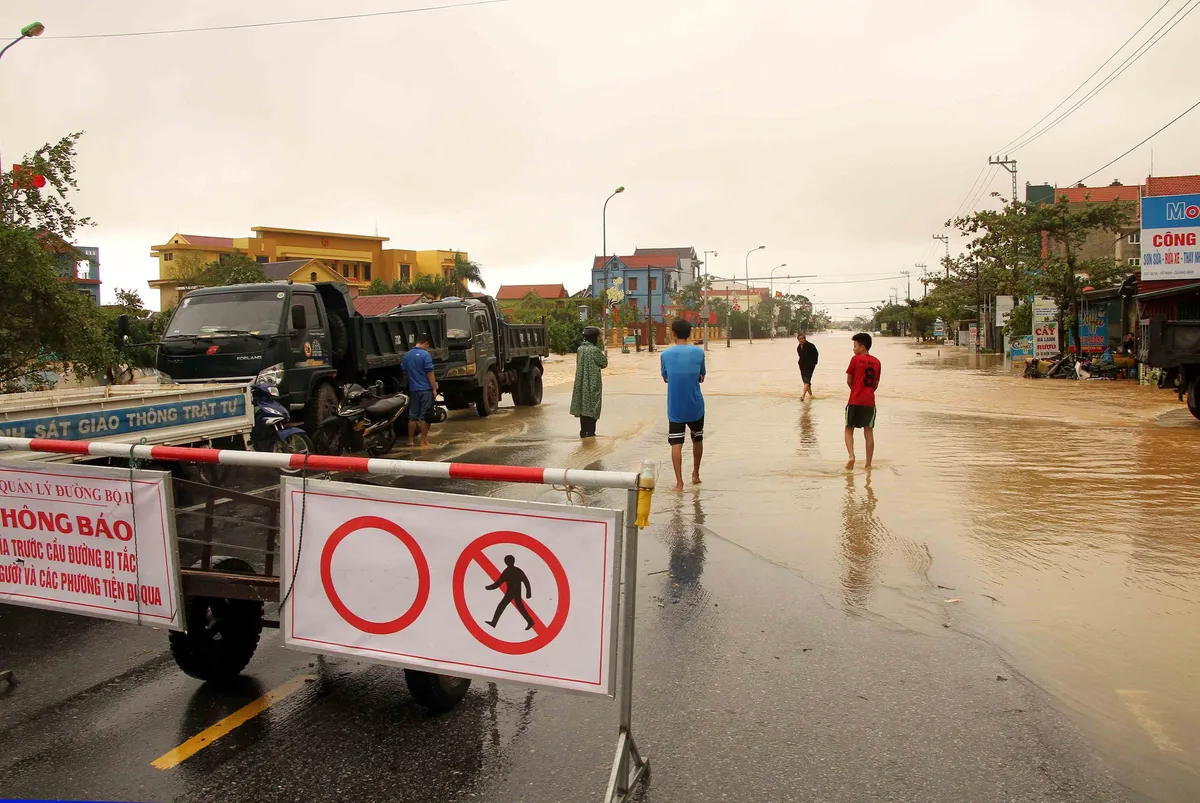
x: 534, y: 593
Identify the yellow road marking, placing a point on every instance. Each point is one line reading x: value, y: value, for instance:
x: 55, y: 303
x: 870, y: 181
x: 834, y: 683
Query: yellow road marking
x: 1147, y: 717
x: 174, y: 757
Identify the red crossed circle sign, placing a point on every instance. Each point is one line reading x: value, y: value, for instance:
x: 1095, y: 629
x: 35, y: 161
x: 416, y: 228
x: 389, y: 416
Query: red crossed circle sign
x: 544, y: 633
x: 366, y: 625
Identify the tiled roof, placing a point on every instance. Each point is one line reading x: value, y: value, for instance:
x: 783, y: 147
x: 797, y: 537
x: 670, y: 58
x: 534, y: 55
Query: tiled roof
x: 278, y: 271
x: 1097, y: 195
x: 681, y: 253
x: 215, y: 242
x: 378, y: 305
x: 1172, y: 185
x: 515, y: 292
x: 651, y: 261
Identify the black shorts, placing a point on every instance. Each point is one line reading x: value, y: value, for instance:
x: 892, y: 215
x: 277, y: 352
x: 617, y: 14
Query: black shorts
x: 806, y: 375
x: 675, y: 431
x: 859, y: 416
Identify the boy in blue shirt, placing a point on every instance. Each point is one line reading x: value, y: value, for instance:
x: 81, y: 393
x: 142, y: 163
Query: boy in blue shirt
x: 422, y: 388
x: 683, y: 371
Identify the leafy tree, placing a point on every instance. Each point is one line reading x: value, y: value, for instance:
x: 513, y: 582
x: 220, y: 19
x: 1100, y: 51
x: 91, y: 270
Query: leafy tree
x: 234, y: 268
x: 377, y: 288
x: 47, y: 326
x: 464, y: 271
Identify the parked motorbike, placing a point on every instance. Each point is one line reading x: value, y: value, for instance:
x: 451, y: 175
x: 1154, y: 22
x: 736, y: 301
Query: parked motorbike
x: 366, y: 421
x: 271, y: 432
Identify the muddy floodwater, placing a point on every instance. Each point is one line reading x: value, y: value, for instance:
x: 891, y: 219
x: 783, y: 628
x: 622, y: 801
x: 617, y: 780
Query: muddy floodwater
x: 1056, y: 520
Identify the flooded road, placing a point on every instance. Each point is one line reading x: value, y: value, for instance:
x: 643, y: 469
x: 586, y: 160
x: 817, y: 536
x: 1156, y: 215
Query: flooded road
x: 1055, y: 520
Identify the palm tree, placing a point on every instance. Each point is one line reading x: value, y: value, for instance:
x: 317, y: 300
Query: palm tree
x: 465, y: 270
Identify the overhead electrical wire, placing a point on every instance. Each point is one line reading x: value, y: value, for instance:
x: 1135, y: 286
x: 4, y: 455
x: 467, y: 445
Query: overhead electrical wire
x: 1140, y: 144
x: 1020, y: 136
x: 1125, y: 65
x: 275, y: 23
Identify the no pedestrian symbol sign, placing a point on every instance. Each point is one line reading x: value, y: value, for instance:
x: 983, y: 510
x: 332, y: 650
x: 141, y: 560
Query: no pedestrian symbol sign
x: 460, y: 585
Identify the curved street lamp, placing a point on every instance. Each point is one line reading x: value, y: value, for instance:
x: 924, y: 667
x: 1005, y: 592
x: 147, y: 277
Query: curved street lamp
x: 749, y: 329
x: 28, y: 32
x: 604, y: 253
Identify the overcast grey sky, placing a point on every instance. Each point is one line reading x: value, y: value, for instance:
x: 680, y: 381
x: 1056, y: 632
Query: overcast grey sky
x: 840, y: 135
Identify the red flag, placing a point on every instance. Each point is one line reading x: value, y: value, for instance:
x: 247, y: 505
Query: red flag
x: 712, y: 317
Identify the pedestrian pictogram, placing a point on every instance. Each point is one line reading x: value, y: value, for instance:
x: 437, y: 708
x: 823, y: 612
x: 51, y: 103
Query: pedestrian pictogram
x: 512, y: 580
x: 422, y: 591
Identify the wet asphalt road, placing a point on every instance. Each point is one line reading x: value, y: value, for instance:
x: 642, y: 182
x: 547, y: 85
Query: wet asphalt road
x: 750, y: 686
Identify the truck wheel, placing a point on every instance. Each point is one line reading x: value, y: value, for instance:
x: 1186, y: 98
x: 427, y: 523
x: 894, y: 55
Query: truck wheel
x: 439, y: 693
x: 321, y: 406
x: 535, y: 387
x: 1193, y: 397
x: 487, y: 398
x: 337, y: 336
x: 222, y: 634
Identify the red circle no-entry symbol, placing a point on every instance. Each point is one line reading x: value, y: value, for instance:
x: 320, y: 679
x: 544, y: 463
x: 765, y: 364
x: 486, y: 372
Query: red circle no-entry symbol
x: 366, y: 625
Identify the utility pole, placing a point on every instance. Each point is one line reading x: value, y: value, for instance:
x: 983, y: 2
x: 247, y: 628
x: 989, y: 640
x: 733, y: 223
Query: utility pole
x: 907, y: 274
x: 1011, y: 166
x: 946, y: 241
x: 921, y: 265
x: 704, y: 308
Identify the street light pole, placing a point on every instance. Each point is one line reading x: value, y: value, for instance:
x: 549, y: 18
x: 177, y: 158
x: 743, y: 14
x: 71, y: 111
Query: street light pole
x: 704, y: 297
x: 28, y: 32
x: 607, y: 262
x: 771, y: 292
x: 749, y: 327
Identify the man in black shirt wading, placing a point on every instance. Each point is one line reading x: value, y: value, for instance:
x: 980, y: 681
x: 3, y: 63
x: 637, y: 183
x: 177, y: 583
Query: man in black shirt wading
x: 807, y: 353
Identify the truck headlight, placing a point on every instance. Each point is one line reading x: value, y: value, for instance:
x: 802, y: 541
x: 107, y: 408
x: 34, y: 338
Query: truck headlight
x: 271, y: 377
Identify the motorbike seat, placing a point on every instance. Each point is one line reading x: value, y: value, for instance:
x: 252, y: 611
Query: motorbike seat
x: 385, y: 408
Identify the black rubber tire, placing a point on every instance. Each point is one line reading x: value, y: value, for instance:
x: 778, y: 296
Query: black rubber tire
x: 297, y: 443
x: 1193, y: 398
x: 521, y: 393
x: 328, y: 438
x: 438, y: 693
x: 322, y: 405
x: 222, y: 634
x: 487, y: 398
x: 535, y: 387
x: 338, y: 337
x: 383, y: 442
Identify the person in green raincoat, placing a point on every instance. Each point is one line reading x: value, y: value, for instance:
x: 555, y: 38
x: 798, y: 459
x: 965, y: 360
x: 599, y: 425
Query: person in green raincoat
x: 590, y: 359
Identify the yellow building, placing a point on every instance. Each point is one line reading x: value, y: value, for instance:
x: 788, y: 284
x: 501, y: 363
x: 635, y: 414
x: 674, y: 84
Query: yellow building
x: 356, y: 258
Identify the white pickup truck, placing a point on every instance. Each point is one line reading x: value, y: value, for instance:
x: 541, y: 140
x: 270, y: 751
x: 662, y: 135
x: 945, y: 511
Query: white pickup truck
x: 162, y: 415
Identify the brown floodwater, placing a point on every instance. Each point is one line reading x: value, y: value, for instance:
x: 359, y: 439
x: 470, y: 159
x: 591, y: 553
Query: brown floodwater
x: 1054, y: 519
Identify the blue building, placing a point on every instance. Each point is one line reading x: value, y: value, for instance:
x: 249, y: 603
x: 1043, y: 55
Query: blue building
x: 81, y: 265
x: 649, y: 277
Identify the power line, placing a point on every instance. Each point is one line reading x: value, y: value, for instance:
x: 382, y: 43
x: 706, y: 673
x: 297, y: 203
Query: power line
x: 970, y: 192
x: 1140, y: 144
x: 1018, y: 138
x: 887, y: 278
x: 1125, y: 65
x: 275, y: 23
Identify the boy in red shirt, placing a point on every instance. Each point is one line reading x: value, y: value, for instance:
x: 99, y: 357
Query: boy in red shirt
x: 862, y: 377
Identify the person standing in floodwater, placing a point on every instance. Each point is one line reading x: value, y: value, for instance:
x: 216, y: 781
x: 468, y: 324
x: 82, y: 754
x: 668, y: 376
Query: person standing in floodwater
x: 512, y: 579
x: 588, y: 393
x: 806, y: 352
x: 862, y: 377
x: 683, y: 370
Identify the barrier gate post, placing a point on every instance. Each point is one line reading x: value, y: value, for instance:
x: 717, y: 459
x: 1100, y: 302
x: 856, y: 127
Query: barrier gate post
x: 625, y: 776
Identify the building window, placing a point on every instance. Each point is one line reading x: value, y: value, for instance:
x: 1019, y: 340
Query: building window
x: 261, y: 260
x: 367, y: 272
x: 1135, y: 261
x: 633, y: 284
x: 1135, y: 238
x: 169, y: 256
x: 406, y: 273
x: 653, y: 283
x: 312, y: 277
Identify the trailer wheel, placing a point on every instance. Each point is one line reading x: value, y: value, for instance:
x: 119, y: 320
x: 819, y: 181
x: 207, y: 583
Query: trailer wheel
x: 1193, y: 398
x: 487, y: 398
x: 439, y: 693
x: 222, y: 634
x: 322, y: 405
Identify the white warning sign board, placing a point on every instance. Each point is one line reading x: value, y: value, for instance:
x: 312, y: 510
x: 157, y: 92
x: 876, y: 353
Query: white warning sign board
x: 70, y: 541
x: 458, y: 585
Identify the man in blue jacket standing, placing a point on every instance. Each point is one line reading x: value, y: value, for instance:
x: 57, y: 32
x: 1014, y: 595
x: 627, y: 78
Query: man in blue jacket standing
x: 683, y: 371
x: 422, y: 388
